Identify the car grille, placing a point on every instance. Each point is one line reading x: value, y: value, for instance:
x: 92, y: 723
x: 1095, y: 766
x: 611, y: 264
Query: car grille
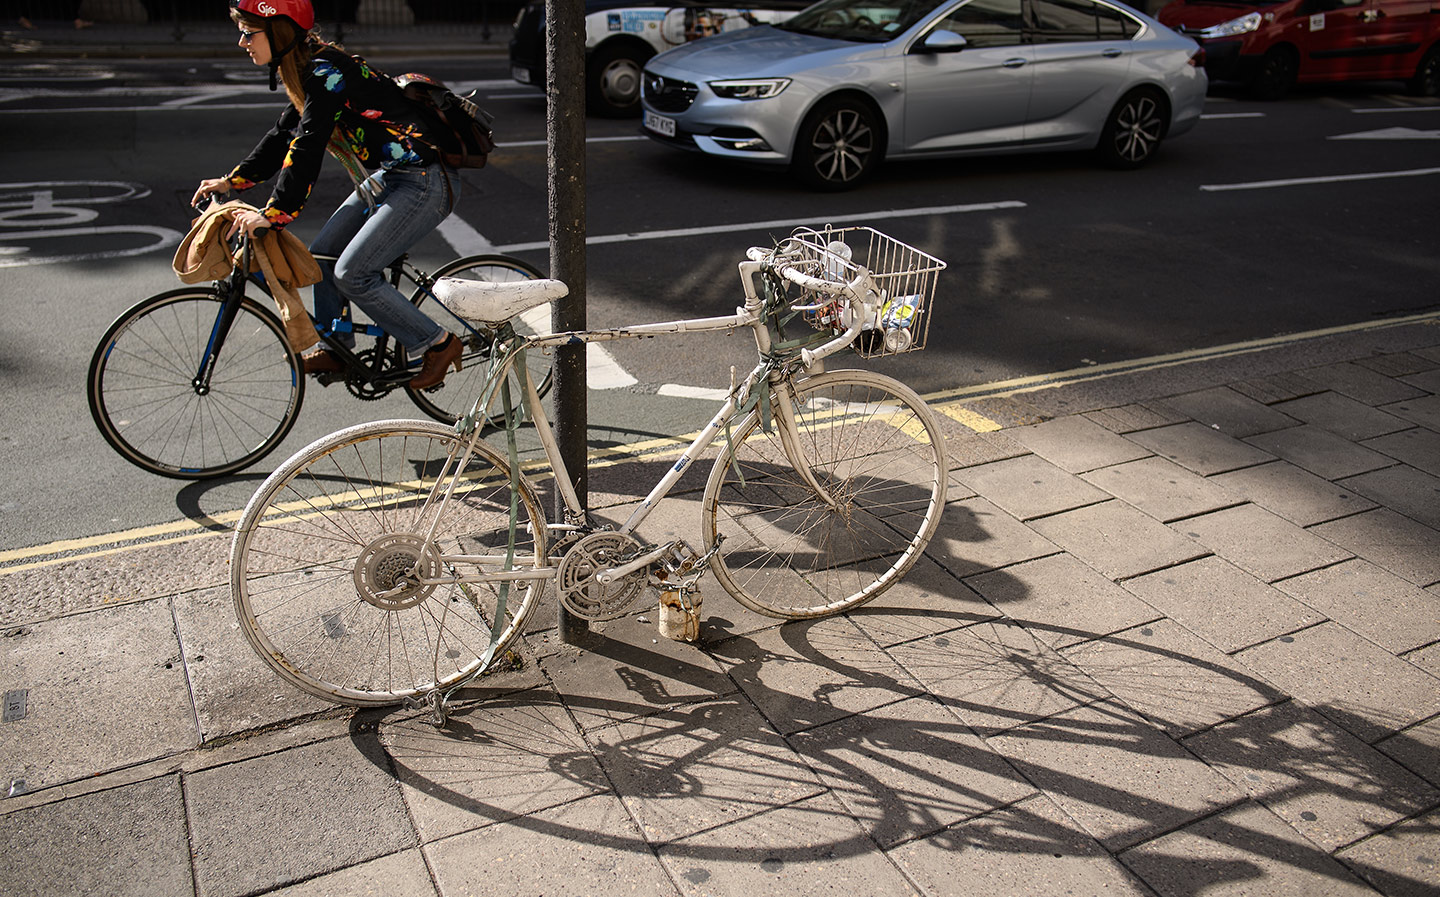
x: 667, y: 94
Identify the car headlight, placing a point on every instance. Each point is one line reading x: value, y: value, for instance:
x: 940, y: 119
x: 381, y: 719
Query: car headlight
x: 750, y: 89
x: 1243, y: 25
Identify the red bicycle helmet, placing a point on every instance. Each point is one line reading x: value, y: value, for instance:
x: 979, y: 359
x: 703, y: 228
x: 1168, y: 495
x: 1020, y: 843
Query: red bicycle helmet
x: 298, y: 11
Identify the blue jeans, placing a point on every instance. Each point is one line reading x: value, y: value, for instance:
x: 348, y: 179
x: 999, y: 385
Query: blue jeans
x: 411, y: 203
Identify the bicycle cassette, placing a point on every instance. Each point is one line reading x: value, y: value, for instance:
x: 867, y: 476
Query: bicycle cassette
x: 581, y: 593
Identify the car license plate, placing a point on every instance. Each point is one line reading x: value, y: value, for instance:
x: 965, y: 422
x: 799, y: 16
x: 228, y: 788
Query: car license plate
x: 660, y: 124
x: 520, y: 74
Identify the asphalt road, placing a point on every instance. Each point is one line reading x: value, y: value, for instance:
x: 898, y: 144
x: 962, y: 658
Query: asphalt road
x: 1268, y: 218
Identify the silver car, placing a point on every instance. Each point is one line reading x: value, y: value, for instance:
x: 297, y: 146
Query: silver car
x: 847, y: 83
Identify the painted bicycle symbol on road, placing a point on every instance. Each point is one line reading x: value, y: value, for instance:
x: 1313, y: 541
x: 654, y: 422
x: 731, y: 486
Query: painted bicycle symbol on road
x: 44, y: 222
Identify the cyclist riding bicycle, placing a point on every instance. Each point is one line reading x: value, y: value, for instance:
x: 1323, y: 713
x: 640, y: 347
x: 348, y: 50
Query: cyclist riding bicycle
x: 341, y: 105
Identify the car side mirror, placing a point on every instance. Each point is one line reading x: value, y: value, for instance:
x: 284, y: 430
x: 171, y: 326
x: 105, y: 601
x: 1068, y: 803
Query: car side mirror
x: 942, y: 41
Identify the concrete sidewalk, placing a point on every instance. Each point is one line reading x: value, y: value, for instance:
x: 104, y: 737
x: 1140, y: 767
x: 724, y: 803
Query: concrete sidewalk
x: 1179, y: 634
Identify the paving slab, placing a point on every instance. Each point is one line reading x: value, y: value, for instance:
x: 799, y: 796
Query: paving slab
x: 909, y: 769
x: 121, y: 842
x: 1362, y: 384
x: 1171, y: 677
x: 1201, y: 449
x: 1417, y: 446
x: 1401, y: 862
x: 813, y: 673
x: 1428, y: 381
x: 1393, y: 541
x: 997, y: 676
x: 699, y: 766
x: 1424, y: 411
x: 1277, y: 387
x: 402, y: 874
x: 626, y: 669
x: 1342, y: 416
x: 1260, y: 542
x: 494, y: 760
x: 1321, y: 452
x: 968, y: 449
x: 1118, y: 540
x: 974, y: 536
x: 233, y: 689
x: 1354, y: 682
x: 788, y: 851
x: 1389, y: 611
x: 1402, y: 489
x: 1031, y: 847
x: 1324, y: 782
x: 1397, y: 364
x: 284, y: 817
x: 100, y: 690
x: 1244, y: 852
x: 1120, y: 777
x: 1138, y: 416
x: 1029, y: 486
x: 1417, y: 749
x: 1222, y: 604
x: 1163, y: 489
x: 928, y: 600
x: 1061, y: 600
x: 1231, y: 412
x: 1076, y: 444
x: 1293, y: 493
x: 578, y: 849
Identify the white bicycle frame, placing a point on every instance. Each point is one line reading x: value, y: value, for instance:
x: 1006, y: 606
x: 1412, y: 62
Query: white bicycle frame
x: 749, y: 315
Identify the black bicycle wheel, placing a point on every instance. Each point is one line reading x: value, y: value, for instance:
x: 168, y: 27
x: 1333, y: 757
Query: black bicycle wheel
x: 144, y: 398
x: 456, y: 395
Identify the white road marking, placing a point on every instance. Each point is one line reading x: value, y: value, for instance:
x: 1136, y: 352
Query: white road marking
x: 1331, y: 179
x: 1390, y: 134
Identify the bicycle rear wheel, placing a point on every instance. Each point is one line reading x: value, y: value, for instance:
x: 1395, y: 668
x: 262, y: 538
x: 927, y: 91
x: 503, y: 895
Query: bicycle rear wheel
x: 324, y: 549
x: 144, y: 396
x: 872, y: 445
x: 456, y: 395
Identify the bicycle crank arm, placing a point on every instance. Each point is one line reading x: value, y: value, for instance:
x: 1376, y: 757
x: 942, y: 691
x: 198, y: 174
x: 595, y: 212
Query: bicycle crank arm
x: 611, y: 574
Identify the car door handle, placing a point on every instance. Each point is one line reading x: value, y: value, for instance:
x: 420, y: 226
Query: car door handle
x: 1013, y: 62
x: 1112, y: 53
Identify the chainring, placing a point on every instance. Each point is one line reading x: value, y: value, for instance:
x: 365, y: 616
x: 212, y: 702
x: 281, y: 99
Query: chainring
x: 579, y: 591
x: 362, y: 388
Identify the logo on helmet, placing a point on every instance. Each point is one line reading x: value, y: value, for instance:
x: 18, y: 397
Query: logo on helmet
x: 266, y: 9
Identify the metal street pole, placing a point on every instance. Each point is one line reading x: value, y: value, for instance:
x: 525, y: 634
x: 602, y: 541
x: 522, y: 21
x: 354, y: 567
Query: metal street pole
x: 565, y: 130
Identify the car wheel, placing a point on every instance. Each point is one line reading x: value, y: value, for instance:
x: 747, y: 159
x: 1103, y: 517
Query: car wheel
x: 1278, y: 68
x: 1134, y: 129
x: 613, y: 80
x: 839, y: 145
x: 1426, y: 82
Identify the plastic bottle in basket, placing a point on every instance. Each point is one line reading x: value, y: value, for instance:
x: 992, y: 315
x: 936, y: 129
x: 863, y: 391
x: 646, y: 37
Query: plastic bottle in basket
x: 836, y: 254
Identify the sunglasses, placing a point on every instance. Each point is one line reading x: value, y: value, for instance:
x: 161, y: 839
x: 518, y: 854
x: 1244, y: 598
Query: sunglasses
x: 247, y: 36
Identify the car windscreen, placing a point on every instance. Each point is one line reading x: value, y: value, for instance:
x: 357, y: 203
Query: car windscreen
x: 866, y: 21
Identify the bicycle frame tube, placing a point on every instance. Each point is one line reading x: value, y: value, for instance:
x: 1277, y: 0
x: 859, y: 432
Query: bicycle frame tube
x: 229, y: 310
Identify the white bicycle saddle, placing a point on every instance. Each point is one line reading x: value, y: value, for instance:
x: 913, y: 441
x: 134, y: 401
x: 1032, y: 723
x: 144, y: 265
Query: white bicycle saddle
x: 483, y: 302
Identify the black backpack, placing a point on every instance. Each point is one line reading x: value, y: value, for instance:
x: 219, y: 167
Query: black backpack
x: 461, y: 130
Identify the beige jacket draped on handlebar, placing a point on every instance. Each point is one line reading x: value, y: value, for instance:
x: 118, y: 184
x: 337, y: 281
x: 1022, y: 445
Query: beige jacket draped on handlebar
x: 285, y: 261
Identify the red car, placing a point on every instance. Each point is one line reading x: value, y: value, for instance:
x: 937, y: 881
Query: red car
x: 1271, y: 46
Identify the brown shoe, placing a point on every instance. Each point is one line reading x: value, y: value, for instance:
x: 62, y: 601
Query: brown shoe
x: 437, y: 360
x: 321, y: 361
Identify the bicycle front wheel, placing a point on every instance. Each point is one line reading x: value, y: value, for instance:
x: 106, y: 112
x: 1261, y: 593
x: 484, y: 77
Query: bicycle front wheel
x: 340, y: 590
x: 147, y: 397
x: 793, y: 552
x: 456, y: 395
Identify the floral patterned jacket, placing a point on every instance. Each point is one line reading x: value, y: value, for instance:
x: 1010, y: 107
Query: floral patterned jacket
x: 362, y: 107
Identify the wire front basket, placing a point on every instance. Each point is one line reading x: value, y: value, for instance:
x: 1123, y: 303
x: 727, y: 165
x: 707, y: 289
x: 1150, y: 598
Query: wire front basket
x: 902, y: 276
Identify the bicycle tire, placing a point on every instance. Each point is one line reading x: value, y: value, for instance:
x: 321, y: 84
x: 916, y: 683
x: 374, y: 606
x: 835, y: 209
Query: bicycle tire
x: 448, y: 401
x: 327, y: 534
x: 143, y: 399
x: 870, y: 441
